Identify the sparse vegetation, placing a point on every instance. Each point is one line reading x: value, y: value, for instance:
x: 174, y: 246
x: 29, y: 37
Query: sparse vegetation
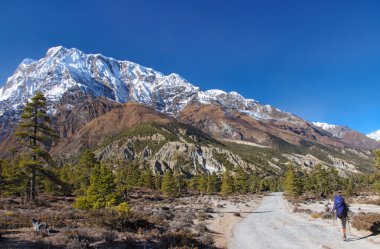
x: 369, y: 222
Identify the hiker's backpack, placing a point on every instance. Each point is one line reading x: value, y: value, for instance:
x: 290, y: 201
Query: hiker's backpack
x: 340, y: 207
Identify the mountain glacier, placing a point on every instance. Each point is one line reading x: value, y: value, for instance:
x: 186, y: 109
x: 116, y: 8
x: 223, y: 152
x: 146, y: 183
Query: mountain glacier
x: 64, y: 70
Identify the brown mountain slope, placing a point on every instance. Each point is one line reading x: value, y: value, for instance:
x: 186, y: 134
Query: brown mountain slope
x: 74, y: 111
x: 125, y: 116
x: 221, y: 123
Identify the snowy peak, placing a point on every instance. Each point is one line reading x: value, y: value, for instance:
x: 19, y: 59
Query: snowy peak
x: 374, y: 135
x: 64, y: 70
x: 325, y: 126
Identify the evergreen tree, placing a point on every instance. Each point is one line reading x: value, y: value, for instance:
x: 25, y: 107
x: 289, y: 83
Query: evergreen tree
x: 202, y: 184
x: 101, y: 192
x: 194, y: 183
x: 133, y: 176
x: 377, y: 155
x: 35, y: 133
x: 147, y: 179
x: 168, y: 185
x: 293, y: 184
x: 213, y: 183
x: 180, y: 181
x: 157, y: 181
x: 227, y: 184
x: 241, y: 181
x: 322, y: 180
x: 254, y: 183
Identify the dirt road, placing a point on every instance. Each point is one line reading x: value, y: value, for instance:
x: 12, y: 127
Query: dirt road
x: 271, y: 225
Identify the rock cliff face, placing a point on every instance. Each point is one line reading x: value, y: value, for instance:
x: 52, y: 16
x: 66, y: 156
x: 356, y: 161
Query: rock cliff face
x: 186, y: 157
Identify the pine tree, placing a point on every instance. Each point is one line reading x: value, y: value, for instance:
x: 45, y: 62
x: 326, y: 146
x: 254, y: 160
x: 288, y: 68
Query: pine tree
x: 168, y: 185
x: 293, y: 184
x: 227, y: 184
x: 133, y: 176
x: 377, y: 155
x: 213, y: 183
x: 241, y: 181
x: 80, y: 173
x: 101, y: 192
x: 35, y: 133
x: 147, y: 179
x: 202, y: 184
x: 157, y: 181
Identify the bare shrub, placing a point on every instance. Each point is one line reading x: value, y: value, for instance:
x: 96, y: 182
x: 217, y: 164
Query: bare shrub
x: 368, y: 222
x: 109, y: 236
x: 206, y: 240
x: 301, y: 210
x: 201, y: 228
x: 121, y: 221
x: 327, y: 215
x: 77, y: 243
x: 177, y: 240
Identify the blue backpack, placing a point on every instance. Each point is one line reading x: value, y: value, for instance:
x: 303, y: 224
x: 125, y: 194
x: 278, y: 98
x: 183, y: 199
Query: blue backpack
x: 340, y: 207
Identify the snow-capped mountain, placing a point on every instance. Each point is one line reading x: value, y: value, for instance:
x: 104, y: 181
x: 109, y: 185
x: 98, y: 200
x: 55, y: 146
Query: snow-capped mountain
x: 374, y: 135
x: 71, y: 80
x: 348, y: 135
x: 324, y: 126
x: 63, y: 70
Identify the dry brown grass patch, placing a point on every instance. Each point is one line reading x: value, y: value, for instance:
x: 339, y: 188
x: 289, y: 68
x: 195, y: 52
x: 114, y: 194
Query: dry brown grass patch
x: 368, y: 222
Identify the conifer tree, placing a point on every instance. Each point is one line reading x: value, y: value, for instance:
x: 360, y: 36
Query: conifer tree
x: 293, y: 184
x: 213, y: 183
x: 101, y: 192
x: 35, y: 133
x: 147, y: 179
x: 168, y: 185
x: 377, y: 155
x: 227, y: 184
x: 241, y: 181
x: 202, y: 184
x: 133, y: 176
x: 157, y: 181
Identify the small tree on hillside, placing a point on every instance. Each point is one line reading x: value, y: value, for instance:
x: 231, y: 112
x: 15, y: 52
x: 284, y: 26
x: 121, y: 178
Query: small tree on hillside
x: 101, y: 192
x: 168, y: 185
x: 227, y: 184
x: 377, y: 155
x: 35, y: 133
x: 213, y: 183
x: 293, y: 183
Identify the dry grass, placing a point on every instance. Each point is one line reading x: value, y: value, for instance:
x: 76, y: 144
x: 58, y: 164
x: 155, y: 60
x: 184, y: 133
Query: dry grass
x: 369, y: 222
x: 315, y: 215
x: 155, y: 222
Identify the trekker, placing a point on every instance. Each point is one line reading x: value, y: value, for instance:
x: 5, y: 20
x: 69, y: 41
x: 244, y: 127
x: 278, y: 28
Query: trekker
x: 341, y: 210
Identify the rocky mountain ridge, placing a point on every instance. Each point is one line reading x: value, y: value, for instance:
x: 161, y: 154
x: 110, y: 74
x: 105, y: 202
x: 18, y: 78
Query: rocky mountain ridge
x: 91, y: 97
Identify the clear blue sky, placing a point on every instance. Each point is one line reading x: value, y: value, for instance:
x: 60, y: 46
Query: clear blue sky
x: 317, y: 59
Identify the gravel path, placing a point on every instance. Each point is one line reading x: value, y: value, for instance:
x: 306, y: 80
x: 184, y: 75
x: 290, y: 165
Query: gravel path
x: 271, y: 225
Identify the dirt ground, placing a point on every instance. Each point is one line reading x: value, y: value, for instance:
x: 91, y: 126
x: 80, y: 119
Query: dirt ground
x: 197, y: 220
x: 274, y: 225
